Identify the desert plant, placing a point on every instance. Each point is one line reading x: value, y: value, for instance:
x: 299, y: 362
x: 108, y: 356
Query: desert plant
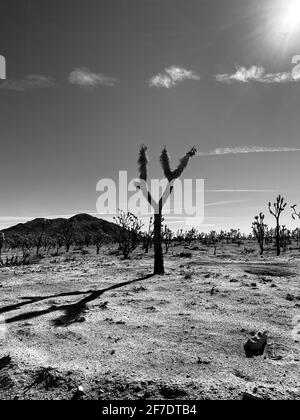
x: 87, y: 239
x: 167, y: 236
x: 2, y: 241
x: 285, y: 237
x: 279, y: 207
x: 179, y: 236
x: 40, y: 237
x: 259, y: 230
x: 99, y: 239
x: 296, y: 235
x: 129, y: 232
x: 190, y: 236
x: 148, y: 236
x: 25, y: 245
x: 213, y: 239
x: 67, y: 234
x: 158, y: 207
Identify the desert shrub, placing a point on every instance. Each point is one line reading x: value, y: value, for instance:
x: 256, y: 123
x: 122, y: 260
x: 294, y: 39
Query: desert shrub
x: 187, y: 274
x: 172, y: 391
x: 85, y: 252
x: 185, y: 255
x: 129, y: 233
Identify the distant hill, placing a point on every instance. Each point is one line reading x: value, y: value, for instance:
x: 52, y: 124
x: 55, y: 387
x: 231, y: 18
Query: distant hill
x: 84, y: 224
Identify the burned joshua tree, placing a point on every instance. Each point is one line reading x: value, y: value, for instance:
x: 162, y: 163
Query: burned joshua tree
x: 158, y: 207
x: 148, y: 236
x: 2, y: 241
x: 279, y: 207
x: 260, y: 230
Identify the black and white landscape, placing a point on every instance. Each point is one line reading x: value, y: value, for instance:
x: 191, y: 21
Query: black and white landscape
x: 101, y: 302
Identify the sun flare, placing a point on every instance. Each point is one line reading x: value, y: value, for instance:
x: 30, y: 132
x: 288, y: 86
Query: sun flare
x: 291, y: 16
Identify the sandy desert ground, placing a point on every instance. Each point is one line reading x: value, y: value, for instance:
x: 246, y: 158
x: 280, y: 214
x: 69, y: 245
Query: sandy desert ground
x: 70, y: 322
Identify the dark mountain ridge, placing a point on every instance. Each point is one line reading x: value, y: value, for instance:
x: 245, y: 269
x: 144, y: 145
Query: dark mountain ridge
x: 84, y: 224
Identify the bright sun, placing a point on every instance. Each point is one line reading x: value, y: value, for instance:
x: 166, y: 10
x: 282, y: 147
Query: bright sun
x: 290, y: 18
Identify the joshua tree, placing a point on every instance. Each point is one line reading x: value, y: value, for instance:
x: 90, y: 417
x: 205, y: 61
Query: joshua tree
x: 179, y: 236
x: 279, y: 207
x: 158, y: 207
x: 260, y: 230
x: 191, y: 236
x: 129, y: 232
x: 148, y: 236
x: 296, y: 235
x: 295, y: 213
x: 167, y: 236
x: 214, y: 240
x: 285, y: 237
x: 2, y: 241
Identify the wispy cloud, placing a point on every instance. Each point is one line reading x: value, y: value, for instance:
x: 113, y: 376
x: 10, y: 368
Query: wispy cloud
x: 225, y: 203
x: 241, y: 191
x: 255, y: 74
x: 86, y: 78
x: 171, y: 76
x: 29, y: 82
x: 246, y: 149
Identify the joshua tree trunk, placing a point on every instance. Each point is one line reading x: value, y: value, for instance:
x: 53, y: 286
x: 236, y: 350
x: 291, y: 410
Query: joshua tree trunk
x: 279, y: 207
x: 261, y: 245
x: 278, y: 238
x: 158, y: 254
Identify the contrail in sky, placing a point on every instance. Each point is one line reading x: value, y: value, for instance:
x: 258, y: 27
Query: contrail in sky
x: 246, y: 149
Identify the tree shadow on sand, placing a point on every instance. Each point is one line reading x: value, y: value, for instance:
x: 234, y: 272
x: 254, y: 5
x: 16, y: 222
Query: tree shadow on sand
x: 71, y: 312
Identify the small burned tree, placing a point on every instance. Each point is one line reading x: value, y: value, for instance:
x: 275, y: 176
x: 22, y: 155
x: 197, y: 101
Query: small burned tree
x: 191, y: 236
x: 279, y: 207
x: 148, y: 236
x: 296, y: 215
x: 67, y: 234
x: 285, y: 237
x: 167, y: 236
x: 99, y: 239
x: 58, y: 243
x: 129, y: 232
x: 2, y: 242
x: 179, y: 236
x: 25, y: 244
x: 158, y: 207
x: 260, y: 230
x: 213, y: 239
x: 39, y: 238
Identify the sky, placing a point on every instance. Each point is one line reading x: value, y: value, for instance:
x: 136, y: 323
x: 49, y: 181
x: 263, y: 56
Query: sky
x: 88, y: 82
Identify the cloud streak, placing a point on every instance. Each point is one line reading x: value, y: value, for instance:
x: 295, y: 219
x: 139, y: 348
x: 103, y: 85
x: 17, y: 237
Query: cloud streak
x: 171, y: 77
x: 86, y: 78
x: 256, y: 74
x: 29, y: 82
x: 241, y: 191
x: 246, y: 149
